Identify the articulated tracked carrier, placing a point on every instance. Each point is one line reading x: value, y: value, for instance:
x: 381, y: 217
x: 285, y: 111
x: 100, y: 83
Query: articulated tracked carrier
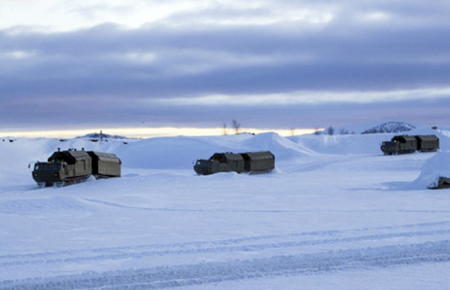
x: 237, y: 162
x: 408, y: 144
x: 72, y: 166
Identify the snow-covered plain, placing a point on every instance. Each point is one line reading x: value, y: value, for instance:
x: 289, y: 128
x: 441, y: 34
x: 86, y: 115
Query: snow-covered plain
x: 334, y: 214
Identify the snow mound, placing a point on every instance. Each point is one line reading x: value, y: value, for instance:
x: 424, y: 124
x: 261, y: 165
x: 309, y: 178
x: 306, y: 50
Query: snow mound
x: 281, y: 147
x: 390, y: 127
x: 341, y: 144
x: 435, y: 167
x: 181, y: 152
x: 166, y: 153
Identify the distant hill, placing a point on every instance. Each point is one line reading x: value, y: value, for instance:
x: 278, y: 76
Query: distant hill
x: 374, y: 128
x: 101, y: 135
x: 390, y: 127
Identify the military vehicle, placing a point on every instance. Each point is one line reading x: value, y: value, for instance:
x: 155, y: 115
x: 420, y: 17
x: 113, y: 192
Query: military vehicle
x: 408, y: 144
x: 236, y: 162
x: 72, y: 166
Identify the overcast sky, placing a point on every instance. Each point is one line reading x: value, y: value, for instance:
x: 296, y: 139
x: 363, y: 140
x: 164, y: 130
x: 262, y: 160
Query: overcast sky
x: 276, y: 64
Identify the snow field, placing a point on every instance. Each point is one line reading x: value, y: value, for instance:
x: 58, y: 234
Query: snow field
x: 334, y: 212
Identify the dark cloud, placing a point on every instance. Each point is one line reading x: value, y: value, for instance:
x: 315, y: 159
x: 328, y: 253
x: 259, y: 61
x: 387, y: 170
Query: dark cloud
x: 76, y: 114
x: 105, y: 73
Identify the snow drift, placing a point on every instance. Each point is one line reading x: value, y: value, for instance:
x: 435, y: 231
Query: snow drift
x: 435, y: 167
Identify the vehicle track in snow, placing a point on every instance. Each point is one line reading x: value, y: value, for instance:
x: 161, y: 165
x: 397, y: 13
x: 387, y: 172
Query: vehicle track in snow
x: 213, y: 272
x: 258, y: 243
x: 300, y: 253
x: 166, y: 209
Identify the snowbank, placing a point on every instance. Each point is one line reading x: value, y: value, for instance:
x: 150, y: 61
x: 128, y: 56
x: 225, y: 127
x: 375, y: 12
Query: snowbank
x: 283, y: 148
x: 342, y: 144
x: 435, y: 167
x: 182, y: 152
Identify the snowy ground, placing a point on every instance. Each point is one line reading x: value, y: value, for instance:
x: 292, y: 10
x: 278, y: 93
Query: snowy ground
x: 335, y: 214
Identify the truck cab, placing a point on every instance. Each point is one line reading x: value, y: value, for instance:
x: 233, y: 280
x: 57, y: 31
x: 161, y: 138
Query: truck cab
x: 49, y: 173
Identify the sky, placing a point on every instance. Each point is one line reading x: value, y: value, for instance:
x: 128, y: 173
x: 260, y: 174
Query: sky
x: 191, y: 65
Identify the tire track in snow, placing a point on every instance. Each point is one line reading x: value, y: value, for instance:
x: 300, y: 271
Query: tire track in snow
x: 164, y: 209
x: 250, y: 244
x: 214, y: 272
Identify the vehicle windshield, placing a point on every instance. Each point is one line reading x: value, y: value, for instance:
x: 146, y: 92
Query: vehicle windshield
x: 203, y: 162
x: 47, y: 166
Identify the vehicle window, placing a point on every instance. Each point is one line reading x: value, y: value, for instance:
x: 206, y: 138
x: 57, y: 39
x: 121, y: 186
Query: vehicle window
x: 47, y: 166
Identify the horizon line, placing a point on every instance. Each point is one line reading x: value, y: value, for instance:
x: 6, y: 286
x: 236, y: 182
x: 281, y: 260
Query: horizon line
x: 133, y: 132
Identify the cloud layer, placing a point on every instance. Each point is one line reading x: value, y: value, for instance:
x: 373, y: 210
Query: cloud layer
x: 267, y: 63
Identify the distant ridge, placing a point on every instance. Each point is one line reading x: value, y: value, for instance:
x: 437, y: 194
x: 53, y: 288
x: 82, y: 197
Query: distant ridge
x: 100, y: 136
x: 390, y: 127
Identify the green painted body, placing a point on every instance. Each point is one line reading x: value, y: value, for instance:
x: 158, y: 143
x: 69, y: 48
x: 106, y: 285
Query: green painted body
x: 105, y: 164
x: 231, y: 162
x: 71, y: 166
x: 408, y: 144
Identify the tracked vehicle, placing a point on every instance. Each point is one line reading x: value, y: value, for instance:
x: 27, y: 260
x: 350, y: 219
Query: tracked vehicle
x: 236, y: 162
x: 408, y: 144
x: 72, y: 166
